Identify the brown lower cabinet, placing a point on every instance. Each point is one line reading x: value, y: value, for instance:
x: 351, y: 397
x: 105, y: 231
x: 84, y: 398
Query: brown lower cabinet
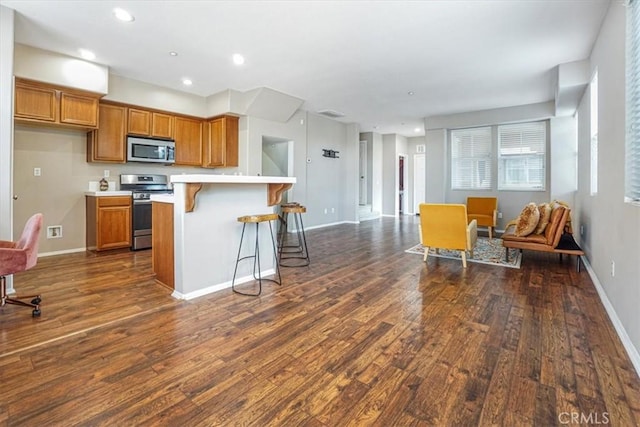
x: 108, y: 222
x: 162, y: 242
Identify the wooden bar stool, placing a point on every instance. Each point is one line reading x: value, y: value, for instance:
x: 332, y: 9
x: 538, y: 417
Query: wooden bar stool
x: 295, y: 255
x: 256, y: 219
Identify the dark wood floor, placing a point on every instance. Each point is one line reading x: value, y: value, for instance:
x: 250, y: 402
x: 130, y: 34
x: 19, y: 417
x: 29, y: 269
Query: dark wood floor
x: 367, y: 335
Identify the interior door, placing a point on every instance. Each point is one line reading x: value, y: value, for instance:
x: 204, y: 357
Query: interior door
x: 419, y: 170
x: 363, y: 173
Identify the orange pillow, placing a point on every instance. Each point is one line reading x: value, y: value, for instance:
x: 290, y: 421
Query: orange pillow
x: 545, y: 214
x: 528, y: 220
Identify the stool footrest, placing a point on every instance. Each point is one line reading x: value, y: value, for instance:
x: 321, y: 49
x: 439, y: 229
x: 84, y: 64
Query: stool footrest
x: 257, y: 275
x: 298, y: 253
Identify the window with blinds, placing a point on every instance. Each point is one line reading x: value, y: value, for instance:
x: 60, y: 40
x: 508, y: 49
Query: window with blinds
x: 521, y: 156
x: 632, y: 154
x: 471, y: 159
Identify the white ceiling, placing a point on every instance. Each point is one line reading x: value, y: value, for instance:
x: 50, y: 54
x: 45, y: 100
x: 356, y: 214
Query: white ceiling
x: 357, y: 57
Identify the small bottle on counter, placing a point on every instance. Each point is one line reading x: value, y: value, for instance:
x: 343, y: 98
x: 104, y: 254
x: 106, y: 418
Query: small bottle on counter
x: 104, y: 185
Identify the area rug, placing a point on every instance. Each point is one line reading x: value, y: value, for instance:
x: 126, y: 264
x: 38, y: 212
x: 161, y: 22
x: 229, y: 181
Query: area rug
x: 487, y: 251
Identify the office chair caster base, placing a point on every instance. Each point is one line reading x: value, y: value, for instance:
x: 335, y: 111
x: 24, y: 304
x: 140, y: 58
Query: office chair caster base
x: 36, y: 313
x: 36, y: 301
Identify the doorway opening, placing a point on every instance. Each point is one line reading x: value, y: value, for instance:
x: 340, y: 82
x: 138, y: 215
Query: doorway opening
x: 363, y: 174
x: 402, y: 179
x: 277, y: 158
x: 419, y: 182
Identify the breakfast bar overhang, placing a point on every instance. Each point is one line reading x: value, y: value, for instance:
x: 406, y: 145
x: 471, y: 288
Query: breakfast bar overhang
x: 205, y: 231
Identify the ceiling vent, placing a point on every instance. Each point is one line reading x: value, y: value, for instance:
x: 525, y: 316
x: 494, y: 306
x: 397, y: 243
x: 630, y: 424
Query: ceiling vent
x: 331, y: 113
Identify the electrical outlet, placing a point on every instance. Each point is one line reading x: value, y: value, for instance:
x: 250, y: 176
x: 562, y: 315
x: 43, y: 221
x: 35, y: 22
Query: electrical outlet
x: 106, y: 173
x: 499, y: 214
x: 54, y: 231
x: 325, y: 211
x: 37, y: 171
x: 333, y: 210
x: 613, y: 268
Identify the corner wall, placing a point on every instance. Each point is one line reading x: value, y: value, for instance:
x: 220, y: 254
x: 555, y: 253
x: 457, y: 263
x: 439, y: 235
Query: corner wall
x: 611, y: 226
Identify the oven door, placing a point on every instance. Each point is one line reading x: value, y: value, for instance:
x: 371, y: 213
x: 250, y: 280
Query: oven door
x: 141, y: 224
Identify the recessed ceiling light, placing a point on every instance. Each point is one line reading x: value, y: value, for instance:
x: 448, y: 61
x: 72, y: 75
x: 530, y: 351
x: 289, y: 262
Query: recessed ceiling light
x: 410, y: 93
x: 417, y: 130
x: 173, y: 53
x: 123, y: 15
x: 238, y: 59
x: 187, y: 82
x: 87, y: 54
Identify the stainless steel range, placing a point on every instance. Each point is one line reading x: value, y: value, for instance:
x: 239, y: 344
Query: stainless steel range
x: 142, y: 187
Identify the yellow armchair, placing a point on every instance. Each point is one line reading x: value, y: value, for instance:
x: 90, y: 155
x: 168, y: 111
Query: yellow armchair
x: 484, y: 210
x: 445, y: 226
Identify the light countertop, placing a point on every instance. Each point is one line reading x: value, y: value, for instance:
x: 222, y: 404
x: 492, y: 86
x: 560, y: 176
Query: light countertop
x: 164, y: 198
x: 231, y: 179
x: 107, y: 193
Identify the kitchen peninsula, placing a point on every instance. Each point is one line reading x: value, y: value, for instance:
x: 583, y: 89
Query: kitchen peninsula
x: 196, y: 233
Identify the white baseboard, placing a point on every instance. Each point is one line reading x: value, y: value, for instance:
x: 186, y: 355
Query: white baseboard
x: 632, y: 351
x: 331, y: 224
x: 219, y: 286
x: 66, y: 251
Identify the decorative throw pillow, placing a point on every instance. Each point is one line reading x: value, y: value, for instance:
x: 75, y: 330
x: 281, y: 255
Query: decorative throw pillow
x: 528, y: 220
x: 545, y: 214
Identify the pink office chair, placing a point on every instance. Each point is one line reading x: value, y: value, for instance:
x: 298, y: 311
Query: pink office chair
x: 20, y: 256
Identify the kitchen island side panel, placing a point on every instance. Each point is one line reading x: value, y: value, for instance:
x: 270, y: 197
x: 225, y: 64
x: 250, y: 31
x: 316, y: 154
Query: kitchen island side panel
x: 207, y: 239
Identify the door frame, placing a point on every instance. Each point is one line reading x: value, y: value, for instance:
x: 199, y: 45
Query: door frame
x: 364, y: 180
x: 419, y: 181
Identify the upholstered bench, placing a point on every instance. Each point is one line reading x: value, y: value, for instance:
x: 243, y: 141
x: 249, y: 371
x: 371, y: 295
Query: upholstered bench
x: 556, y: 237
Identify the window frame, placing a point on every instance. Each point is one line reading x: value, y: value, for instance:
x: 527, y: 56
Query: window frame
x: 539, y: 157
x: 632, y: 92
x: 593, y: 134
x: 471, y: 162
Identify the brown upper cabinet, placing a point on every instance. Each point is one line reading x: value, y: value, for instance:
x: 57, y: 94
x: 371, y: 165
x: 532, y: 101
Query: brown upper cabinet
x: 37, y: 102
x: 188, y: 138
x: 150, y: 123
x: 107, y: 143
x: 220, y: 145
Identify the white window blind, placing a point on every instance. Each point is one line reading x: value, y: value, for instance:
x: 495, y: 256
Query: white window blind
x: 632, y: 155
x: 594, y: 133
x: 521, y: 156
x: 471, y: 159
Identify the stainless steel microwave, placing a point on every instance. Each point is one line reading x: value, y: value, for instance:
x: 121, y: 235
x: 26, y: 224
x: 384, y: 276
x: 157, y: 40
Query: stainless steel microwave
x: 150, y: 150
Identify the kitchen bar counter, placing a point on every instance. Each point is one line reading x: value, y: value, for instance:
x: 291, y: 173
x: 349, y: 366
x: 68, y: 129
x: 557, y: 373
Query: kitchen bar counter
x: 206, y: 233
x: 107, y: 193
x: 275, y: 185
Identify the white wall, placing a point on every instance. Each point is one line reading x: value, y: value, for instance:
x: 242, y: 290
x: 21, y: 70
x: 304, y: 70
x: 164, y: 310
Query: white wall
x: 563, y: 176
x: 376, y: 172
x: 389, y: 172
x: 253, y: 129
x: 325, y: 186
x: 6, y: 126
x: 350, y: 174
x: 143, y: 94
x: 436, y: 169
x: 612, y: 227
x: 6, y: 121
x: 54, y: 68
x: 412, y: 144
